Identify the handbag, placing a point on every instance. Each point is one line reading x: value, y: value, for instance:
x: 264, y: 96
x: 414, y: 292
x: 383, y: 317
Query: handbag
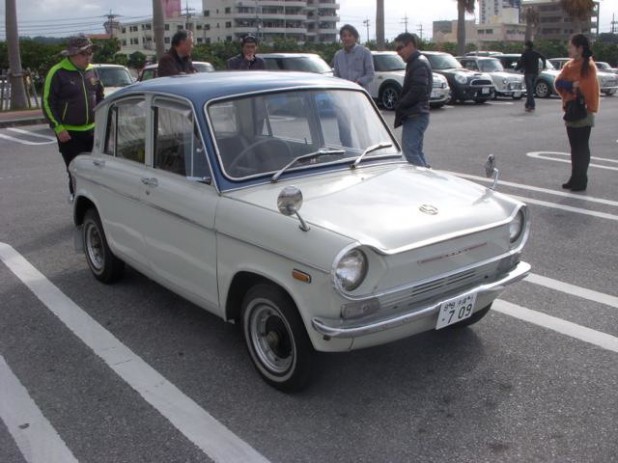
x: 575, y: 110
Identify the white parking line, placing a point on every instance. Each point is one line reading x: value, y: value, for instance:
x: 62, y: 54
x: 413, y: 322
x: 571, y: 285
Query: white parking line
x: 35, y: 437
x: 559, y: 325
x: 212, y: 437
x: 25, y: 142
x: 32, y: 134
x: 573, y: 290
x: 547, y: 155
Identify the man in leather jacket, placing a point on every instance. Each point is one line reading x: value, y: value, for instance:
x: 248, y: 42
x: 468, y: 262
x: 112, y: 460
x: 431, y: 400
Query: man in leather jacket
x: 177, y: 60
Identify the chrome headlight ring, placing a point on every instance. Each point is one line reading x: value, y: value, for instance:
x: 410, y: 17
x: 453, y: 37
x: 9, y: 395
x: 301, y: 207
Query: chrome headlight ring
x: 350, y: 270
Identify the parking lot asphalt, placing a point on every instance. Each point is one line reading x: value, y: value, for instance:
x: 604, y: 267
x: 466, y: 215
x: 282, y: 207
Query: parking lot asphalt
x: 22, y: 117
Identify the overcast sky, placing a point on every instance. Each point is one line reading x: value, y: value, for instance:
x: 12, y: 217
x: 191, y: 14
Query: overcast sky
x: 66, y: 17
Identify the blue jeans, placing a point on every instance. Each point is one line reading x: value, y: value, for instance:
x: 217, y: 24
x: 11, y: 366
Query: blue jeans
x: 412, y: 134
x: 530, y: 80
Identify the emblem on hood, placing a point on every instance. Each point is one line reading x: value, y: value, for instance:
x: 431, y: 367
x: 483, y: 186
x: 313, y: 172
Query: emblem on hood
x: 428, y: 209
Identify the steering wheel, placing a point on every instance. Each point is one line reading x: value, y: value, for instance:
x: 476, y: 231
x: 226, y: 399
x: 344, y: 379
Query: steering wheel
x: 249, y: 151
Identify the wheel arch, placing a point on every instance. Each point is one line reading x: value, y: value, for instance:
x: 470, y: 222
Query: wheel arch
x: 82, y: 205
x: 389, y: 83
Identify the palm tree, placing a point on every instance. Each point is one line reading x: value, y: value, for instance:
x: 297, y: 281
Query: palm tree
x: 463, y: 7
x: 531, y: 15
x: 579, y: 11
x: 380, y: 24
x: 18, y: 93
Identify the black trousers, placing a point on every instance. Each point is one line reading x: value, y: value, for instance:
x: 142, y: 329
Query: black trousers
x: 80, y: 142
x: 579, y: 138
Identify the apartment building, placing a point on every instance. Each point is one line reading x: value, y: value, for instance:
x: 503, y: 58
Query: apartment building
x: 555, y: 24
x: 313, y: 21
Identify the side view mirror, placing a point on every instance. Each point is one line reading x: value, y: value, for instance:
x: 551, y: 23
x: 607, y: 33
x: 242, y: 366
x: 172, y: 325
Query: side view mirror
x: 491, y: 171
x: 289, y: 201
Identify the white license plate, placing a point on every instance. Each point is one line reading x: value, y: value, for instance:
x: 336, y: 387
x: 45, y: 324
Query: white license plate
x: 435, y: 94
x: 455, y: 310
x: 485, y: 91
x: 516, y: 94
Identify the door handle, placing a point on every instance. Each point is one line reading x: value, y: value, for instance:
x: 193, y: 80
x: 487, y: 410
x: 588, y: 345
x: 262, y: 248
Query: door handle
x: 150, y: 181
x: 98, y: 162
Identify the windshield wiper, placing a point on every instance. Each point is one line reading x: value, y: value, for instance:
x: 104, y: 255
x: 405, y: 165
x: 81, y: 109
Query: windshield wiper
x: 370, y: 149
x: 313, y: 155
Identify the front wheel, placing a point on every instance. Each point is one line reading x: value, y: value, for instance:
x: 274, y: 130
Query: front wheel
x: 105, y: 266
x: 389, y: 97
x: 276, y: 338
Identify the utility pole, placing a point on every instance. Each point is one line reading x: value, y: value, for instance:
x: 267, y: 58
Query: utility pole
x: 420, y: 31
x: 404, y: 21
x: 614, y: 23
x: 380, y: 42
x: 16, y: 77
x: 110, y: 24
x: 188, y: 15
x: 366, y: 24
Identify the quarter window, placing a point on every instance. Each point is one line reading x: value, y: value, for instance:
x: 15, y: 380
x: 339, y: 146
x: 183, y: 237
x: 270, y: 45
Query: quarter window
x: 126, y: 130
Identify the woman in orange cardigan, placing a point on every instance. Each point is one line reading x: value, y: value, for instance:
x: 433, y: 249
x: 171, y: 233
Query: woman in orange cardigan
x: 579, y: 74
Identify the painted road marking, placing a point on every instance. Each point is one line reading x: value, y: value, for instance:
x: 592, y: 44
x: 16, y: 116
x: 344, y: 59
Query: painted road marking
x: 212, y: 437
x: 574, y: 290
x: 48, y: 140
x: 35, y: 437
x: 547, y: 155
x: 597, y: 338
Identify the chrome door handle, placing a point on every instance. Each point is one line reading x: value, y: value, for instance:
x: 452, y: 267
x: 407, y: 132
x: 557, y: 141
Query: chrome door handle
x: 98, y: 162
x: 150, y: 181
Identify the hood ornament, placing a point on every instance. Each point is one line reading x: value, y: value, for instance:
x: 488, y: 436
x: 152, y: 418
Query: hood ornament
x: 428, y: 209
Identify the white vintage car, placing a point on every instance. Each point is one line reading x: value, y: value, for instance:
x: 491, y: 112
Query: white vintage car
x: 282, y: 202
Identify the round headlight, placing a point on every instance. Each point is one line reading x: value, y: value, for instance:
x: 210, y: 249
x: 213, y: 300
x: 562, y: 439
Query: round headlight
x: 461, y: 78
x: 516, y: 227
x: 351, y: 270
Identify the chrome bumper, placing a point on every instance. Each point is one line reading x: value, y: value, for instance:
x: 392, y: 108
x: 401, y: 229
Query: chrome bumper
x: 335, y: 329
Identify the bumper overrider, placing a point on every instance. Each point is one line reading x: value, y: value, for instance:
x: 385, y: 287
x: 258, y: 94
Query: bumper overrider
x: 335, y: 328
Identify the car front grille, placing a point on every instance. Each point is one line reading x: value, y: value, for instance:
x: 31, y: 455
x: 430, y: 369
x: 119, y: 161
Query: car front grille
x: 480, y: 82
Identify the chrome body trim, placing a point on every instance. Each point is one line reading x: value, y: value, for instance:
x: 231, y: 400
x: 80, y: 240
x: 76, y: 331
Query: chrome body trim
x: 354, y: 328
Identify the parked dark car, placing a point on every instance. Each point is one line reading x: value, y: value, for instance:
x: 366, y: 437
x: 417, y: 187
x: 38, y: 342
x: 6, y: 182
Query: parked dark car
x: 465, y: 85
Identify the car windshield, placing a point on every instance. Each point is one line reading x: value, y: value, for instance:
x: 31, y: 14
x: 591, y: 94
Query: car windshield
x: 441, y: 62
x: 548, y: 65
x: 602, y: 65
x: 203, y: 67
x: 491, y: 65
x: 388, y: 62
x: 114, y: 77
x: 262, y: 134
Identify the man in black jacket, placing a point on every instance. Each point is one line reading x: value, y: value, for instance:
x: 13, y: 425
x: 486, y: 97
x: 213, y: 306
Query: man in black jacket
x: 529, y: 63
x: 177, y: 60
x: 72, y: 89
x: 412, y: 110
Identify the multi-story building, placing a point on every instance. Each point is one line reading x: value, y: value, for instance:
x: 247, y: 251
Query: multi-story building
x: 499, y: 11
x: 313, y: 21
x: 555, y: 23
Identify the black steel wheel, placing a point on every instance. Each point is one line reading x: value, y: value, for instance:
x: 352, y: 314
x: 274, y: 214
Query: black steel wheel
x: 105, y: 266
x: 276, y: 338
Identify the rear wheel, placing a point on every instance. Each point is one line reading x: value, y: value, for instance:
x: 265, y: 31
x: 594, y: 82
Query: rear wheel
x: 276, y: 338
x: 389, y: 96
x: 104, y: 265
x: 542, y: 89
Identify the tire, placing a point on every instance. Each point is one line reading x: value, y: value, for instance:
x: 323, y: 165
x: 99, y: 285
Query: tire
x: 104, y: 265
x: 389, y: 96
x: 611, y: 92
x: 276, y: 338
x: 542, y: 89
x: 476, y: 317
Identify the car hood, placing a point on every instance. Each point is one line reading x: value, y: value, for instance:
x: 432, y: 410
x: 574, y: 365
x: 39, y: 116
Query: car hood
x: 506, y: 75
x: 391, y: 207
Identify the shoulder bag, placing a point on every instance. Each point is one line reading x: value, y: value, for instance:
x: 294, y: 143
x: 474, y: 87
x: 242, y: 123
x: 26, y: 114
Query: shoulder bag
x: 575, y: 110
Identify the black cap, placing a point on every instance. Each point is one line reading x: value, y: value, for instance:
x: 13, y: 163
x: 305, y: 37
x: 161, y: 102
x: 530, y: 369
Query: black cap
x: 249, y: 39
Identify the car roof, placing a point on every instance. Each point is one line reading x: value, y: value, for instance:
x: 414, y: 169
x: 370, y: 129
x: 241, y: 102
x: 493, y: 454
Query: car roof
x: 434, y: 53
x: 106, y: 65
x: 286, y: 55
x: 204, y: 86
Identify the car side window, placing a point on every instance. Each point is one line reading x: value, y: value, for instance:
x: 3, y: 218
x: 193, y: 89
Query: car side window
x: 178, y: 147
x: 126, y: 128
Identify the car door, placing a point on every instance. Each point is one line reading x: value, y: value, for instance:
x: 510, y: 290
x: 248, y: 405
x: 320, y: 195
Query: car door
x: 115, y: 178
x: 181, y: 201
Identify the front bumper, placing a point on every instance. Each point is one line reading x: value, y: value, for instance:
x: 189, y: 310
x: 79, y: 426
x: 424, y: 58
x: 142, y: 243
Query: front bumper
x: 335, y: 328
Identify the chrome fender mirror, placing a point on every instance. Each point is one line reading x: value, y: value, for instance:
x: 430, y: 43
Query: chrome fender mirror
x: 491, y: 171
x: 289, y: 202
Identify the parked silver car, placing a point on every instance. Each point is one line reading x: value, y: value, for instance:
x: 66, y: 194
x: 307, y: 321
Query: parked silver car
x: 608, y: 81
x: 507, y: 84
